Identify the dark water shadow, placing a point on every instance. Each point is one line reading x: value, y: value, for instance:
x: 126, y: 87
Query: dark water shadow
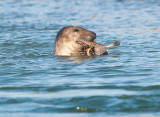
x: 75, y: 59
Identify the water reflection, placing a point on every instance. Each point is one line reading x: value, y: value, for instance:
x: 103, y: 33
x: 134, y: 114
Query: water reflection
x: 75, y: 59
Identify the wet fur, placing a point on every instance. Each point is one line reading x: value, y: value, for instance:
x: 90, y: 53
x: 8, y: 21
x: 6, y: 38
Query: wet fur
x: 66, y: 41
x: 77, y: 41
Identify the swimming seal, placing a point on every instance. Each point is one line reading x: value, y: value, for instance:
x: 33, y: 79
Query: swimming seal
x: 77, y: 41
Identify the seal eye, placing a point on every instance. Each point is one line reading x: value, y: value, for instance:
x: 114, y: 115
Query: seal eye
x: 75, y: 30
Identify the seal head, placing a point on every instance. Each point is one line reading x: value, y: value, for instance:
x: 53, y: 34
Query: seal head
x: 67, y: 38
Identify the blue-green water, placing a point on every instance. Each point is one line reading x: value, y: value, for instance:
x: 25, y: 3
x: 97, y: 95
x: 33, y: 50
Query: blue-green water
x: 33, y: 82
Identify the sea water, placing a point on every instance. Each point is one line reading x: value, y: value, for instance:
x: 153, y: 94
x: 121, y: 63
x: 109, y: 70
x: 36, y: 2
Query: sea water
x: 33, y: 82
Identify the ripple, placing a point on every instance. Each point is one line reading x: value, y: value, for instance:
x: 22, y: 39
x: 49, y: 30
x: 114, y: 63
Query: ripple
x: 123, y: 83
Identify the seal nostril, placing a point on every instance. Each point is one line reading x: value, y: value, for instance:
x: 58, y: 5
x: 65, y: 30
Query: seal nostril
x: 93, y: 34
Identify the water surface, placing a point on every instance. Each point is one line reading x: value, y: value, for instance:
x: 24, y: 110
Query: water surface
x: 33, y: 82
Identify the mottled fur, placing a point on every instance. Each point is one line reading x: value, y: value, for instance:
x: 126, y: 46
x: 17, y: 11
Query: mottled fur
x: 96, y: 48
